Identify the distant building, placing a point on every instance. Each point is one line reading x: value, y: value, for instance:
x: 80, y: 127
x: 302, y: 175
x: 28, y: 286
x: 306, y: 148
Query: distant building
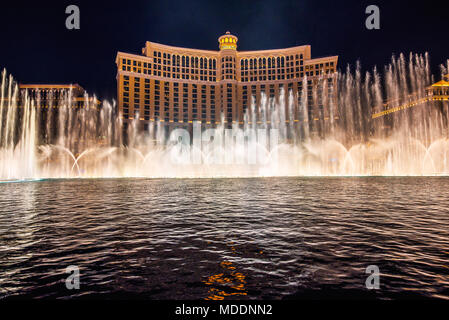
x: 55, y: 95
x: 436, y: 93
x: 440, y: 88
x: 182, y: 85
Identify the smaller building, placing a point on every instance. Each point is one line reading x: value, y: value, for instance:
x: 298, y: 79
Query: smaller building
x: 440, y: 88
x: 56, y: 95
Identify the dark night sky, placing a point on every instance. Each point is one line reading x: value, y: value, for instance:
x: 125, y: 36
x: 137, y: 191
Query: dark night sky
x: 37, y: 48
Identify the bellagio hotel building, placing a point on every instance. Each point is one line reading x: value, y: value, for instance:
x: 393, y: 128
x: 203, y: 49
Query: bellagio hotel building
x: 181, y: 85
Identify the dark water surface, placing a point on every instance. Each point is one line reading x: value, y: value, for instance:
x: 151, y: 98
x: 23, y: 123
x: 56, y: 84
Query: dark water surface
x: 262, y: 238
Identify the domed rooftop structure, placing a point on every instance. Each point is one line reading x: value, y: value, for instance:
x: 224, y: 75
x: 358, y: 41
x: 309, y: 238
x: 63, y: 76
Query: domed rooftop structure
x: 228, y: 41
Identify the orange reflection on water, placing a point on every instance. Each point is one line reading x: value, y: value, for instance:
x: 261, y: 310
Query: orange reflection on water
x: 226, y: 284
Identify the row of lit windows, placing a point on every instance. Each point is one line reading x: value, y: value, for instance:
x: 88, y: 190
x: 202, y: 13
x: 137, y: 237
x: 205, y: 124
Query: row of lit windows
x: 260, y: 65
x: 210, y: 106
x: 166, y: 84
x: 176, y: 116
x: 228, y: 40
x: 313, y: 112
x: 271, y: 62
x: 297, y: 75
x: 137, y: 67
x: 185, y: 61
x: 205, y: 63
x: 170, y: 72
x: 175, y: 74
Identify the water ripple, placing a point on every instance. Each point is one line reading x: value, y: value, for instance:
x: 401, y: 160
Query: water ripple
x: 225, y: 238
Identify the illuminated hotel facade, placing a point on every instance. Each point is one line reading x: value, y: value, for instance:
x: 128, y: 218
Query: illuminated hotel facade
x: 180, y: 85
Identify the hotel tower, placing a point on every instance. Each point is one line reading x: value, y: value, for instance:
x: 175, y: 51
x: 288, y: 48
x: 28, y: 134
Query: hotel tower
x: 181, y: 85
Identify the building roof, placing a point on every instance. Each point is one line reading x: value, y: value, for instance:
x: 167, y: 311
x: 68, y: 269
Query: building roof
x: 442, y: 83
x: 182, y: 50
x: 77, y: 90
x: 50, y: 86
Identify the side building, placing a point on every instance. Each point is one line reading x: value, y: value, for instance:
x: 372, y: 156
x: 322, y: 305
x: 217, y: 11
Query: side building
x: 181, y: 85
x: 57, y: 95
x: 57, y: 106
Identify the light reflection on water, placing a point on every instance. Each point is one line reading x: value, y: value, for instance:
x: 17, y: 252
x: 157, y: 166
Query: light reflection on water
x: 221, y: 239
